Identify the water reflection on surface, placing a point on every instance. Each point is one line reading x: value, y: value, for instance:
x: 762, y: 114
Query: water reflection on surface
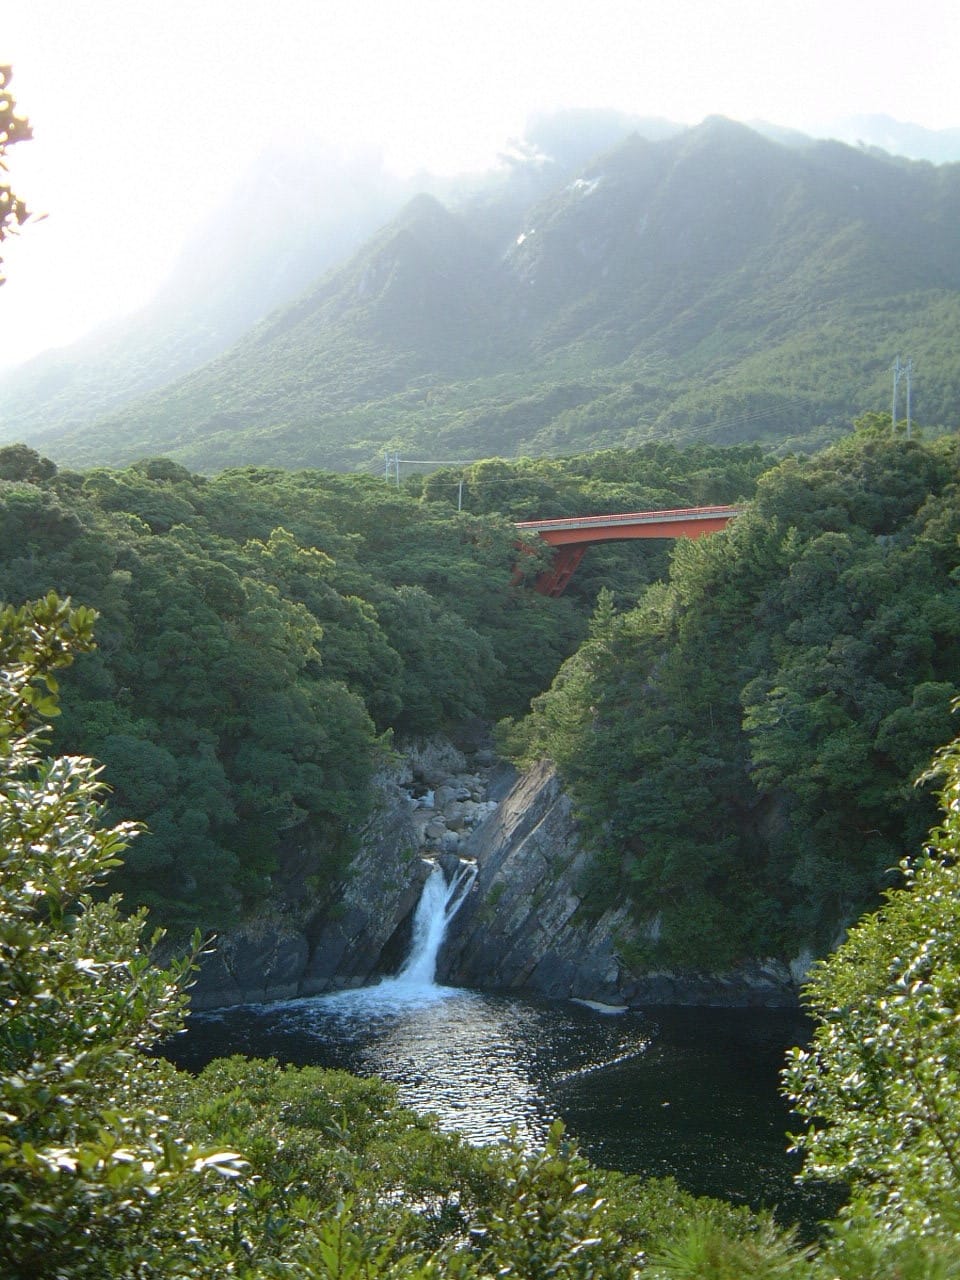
x: 686, y: 1092
x: 482, y: 1064
x: 453, y: 1053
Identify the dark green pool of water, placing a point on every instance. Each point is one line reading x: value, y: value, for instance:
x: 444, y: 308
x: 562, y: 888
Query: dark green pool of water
x: 691, y: 1093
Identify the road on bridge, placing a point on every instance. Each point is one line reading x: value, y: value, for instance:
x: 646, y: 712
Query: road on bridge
x: 571, y: 535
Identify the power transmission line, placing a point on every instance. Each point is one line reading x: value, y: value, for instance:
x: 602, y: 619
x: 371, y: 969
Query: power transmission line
x: 394, y: 463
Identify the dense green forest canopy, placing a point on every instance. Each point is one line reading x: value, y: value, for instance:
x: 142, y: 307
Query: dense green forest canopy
x: 742, y: 745
x: 739, y: 719
x: 263, y: 634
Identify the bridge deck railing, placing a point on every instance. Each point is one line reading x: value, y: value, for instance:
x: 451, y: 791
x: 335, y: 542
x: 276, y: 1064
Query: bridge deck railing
x: 630, y: 517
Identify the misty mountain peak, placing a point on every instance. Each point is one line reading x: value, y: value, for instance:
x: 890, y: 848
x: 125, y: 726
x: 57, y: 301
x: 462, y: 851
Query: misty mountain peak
x: 661, y: 278
x: 423, y: 209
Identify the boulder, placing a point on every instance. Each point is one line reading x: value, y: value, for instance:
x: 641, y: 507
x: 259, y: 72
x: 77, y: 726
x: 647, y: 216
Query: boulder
x: 260, y: 965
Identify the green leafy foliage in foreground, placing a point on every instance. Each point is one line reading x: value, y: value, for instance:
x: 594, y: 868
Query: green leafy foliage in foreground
x: 13, y: 128
x: 88, y: 1163
x: 262, y: 635
x: 881, y: 1084
x: 113, y: 1165
x: 742, y: 745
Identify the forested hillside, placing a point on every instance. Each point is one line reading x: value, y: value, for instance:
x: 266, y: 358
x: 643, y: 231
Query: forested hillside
x: 262, y: 635
x: 743, y: 745
x: 320, y: 204
x: 713, y: 285
x: 740, y: 721
x: 741, y: 725
x: 234, y: 271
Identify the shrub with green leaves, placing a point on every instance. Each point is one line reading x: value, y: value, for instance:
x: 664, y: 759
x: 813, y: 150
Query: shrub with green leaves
x: 880, y: 1086
x: 93, y: 1179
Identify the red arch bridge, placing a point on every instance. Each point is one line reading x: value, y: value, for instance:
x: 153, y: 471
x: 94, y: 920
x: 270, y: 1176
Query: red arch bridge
x: 572, y: 535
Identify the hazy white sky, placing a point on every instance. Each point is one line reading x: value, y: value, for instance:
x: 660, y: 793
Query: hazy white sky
x: 146, y: 111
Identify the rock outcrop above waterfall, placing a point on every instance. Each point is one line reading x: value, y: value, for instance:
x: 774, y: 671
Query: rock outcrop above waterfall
x: 526, y: 925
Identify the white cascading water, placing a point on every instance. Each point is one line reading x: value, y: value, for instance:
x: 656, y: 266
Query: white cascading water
x: 477, y: 1062
x: 415, y: 984
x: 438, y: 904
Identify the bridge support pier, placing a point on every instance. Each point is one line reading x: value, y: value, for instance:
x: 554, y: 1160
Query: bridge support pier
x: 565, y: 561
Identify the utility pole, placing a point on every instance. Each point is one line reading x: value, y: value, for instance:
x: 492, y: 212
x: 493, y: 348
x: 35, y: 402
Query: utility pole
x: 904, y: 371
x: 391, y: 467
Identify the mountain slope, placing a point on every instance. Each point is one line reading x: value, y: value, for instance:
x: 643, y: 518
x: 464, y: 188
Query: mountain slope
x: 296, y: 214
x: 715, y: 283
x: 234, y: 271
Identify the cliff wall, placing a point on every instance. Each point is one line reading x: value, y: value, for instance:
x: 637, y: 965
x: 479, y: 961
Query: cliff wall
x: 425, y: 806
x: 525, y: 925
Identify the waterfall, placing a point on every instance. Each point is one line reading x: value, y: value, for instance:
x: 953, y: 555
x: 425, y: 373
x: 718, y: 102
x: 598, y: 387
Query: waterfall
x: 414, y: 985
x: 438, y: 904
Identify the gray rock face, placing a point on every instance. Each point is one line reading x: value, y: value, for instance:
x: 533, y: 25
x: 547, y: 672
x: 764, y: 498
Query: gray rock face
x: 306, y: 953
x: 525, y: 927
x: 427, y: 806
x: 522, y: 926
x: 264, y: 965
